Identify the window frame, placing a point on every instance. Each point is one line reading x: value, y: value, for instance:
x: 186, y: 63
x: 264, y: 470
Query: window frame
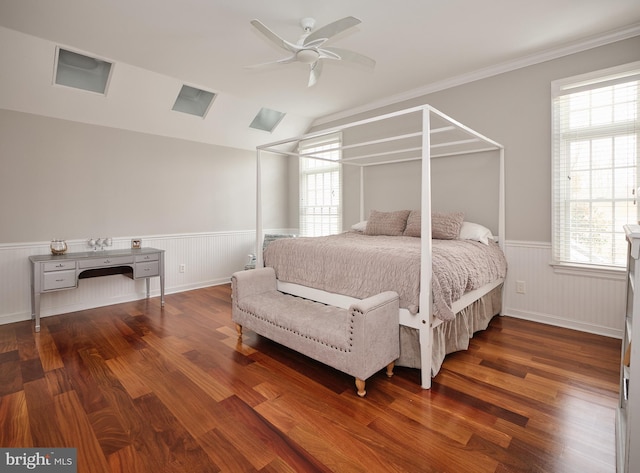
x: 561, y: 90
x: 325, y: 152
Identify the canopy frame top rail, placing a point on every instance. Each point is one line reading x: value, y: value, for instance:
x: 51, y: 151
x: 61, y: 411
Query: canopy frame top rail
x: 451, y: 125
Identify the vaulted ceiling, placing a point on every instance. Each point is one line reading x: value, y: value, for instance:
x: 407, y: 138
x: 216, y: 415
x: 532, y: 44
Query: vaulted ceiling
x: 156, y: 46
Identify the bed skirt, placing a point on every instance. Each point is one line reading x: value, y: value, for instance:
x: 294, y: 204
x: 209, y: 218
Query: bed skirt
x: 450, y: 336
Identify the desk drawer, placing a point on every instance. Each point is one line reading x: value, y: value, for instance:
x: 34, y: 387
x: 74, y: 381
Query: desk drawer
x: 146, y: 270
x: 59, y: 280
x: 106, y: 261
x: 59, y: 265
x: 143, y: 258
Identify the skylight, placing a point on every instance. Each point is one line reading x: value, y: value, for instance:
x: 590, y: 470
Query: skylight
x: 193, y: 101
x: 267, y: 120
x: 82, y: 72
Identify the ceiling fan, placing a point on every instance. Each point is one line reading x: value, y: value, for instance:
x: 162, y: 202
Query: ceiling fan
x: 309, y: 49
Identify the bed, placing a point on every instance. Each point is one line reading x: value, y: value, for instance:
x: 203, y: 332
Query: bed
x: 433, y: 322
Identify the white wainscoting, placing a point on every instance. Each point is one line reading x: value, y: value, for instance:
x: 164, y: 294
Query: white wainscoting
x: 588, y: 301
x: 591, y: 302
x: 209, y: 259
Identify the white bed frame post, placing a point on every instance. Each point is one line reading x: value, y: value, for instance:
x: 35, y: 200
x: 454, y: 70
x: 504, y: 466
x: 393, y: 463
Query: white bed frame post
x: 362, y: 217
x: 259, y: 230
x: 502, y: 230
x: 426, y: 334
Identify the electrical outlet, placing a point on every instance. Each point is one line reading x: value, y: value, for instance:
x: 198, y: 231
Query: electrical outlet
x: 520, y: 287
x: 181, y: 268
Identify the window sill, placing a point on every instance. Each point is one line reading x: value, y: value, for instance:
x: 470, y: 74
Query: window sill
x: 585, y: 270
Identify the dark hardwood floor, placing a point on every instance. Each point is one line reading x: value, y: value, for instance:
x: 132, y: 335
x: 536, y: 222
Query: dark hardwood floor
x: 139, y: 389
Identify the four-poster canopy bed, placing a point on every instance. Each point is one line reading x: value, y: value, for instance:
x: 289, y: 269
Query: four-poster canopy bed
x: 426, y: 134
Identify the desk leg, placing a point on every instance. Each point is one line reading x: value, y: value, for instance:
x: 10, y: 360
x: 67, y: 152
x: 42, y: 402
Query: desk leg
x: 162, y: 289
x: 33, y: 303
x: 162, y: 279
x: 35, y: 309
x: 146, y: 281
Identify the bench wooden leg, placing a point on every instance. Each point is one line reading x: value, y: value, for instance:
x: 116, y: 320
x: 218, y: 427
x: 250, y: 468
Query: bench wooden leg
x: 360, y: 387
x: 239, y: 330
x: 390, y: 369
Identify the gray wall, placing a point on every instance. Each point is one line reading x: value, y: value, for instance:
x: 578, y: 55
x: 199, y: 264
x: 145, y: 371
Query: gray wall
x: 61, y: 179
x: 513, y: 108
x: 69, y: 180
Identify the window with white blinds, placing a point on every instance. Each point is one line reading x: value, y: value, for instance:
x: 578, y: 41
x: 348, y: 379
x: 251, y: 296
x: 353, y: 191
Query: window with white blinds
x: 595, y: 162
x: 320, y: 186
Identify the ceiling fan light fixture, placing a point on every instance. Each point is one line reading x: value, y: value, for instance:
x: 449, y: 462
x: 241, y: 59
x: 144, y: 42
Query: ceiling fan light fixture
x: 307, y: 56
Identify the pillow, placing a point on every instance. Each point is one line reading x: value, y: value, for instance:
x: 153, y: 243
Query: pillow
x: 386, y: 223
x: 359, y: 227
x: 476, y: 232
x: 414, y: 224
x: 446, y: 226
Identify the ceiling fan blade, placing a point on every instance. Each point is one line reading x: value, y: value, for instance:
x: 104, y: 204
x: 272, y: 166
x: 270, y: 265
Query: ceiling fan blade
x: 346, y: 55
x: 314, y: 43
x: 332, y: 29
x: 274, y: 38
x: 315, y: 70
x: 285, y: 60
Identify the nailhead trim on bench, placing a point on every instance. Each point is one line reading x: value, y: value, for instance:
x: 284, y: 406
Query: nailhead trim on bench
x: 307, y: 336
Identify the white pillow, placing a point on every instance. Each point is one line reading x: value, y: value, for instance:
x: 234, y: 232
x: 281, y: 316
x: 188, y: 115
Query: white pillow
x: 476, y: 232
x: 360, y: 226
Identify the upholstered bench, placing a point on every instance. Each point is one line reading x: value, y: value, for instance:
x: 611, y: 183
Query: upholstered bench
x: 358, y: 341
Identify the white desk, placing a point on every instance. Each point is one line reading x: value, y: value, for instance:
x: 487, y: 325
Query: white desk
x: 51, y: 273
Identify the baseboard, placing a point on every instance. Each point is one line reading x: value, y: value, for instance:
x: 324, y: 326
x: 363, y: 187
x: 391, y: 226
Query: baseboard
x: 556, y: 321
x: 65, y: 309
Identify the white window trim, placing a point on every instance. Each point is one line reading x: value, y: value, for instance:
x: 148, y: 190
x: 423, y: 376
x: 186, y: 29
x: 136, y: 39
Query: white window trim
x: 578, y: 83
x: 308, y: 145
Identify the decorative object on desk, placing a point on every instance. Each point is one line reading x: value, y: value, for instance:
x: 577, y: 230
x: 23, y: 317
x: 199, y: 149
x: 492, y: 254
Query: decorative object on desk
x: 136, y: 243
x: 58, y: 247
x: 99, y: 243
x: 102, y: 242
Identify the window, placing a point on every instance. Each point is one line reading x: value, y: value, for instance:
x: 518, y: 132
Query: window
x: 595, y: 161
x: 320, y: 186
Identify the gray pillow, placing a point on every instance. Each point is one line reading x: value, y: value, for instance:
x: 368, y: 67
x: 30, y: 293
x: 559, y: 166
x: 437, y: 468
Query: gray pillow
x: 414, y: 224
x: 446, y: 226
x: 386, y: 223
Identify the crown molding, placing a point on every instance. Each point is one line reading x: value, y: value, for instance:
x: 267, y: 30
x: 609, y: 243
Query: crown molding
x: 525, y: 61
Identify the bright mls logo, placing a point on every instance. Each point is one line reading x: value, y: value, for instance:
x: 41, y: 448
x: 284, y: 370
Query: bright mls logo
x: 50, y: 460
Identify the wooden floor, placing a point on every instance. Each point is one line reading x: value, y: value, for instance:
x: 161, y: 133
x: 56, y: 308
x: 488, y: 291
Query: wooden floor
x: 139, y: 389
